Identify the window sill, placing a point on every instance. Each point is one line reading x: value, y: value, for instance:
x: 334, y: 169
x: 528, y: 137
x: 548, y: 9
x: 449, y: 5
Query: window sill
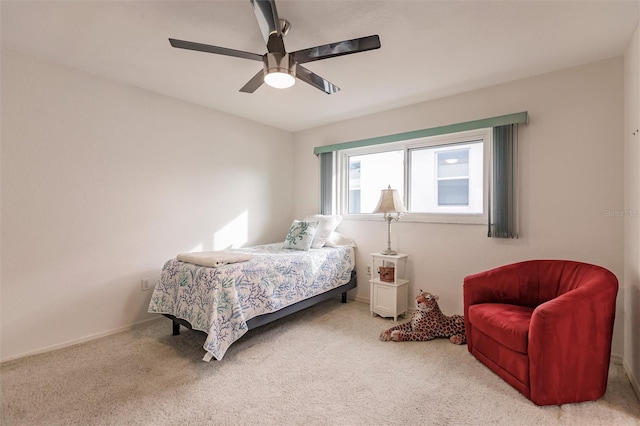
x: 453, y: 219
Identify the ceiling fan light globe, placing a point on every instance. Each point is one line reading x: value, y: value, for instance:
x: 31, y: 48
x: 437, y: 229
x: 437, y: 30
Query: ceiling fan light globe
x: 279, y: 80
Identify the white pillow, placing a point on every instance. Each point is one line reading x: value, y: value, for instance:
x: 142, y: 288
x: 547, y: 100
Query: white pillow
x: 336, y: 239
x: 327, y: 224
x: 300, y: 235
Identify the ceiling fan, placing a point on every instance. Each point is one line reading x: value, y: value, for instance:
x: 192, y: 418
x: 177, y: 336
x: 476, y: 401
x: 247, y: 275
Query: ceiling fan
x: 280, y: 68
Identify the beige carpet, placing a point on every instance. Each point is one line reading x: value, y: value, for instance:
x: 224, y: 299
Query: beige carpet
x: 322, y: 366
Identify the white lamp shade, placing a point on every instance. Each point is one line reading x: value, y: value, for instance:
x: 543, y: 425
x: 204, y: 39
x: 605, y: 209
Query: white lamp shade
x: 390, y: 202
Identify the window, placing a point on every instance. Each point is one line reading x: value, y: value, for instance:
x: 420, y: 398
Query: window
x: 442, y: 178
x: 453, y: 168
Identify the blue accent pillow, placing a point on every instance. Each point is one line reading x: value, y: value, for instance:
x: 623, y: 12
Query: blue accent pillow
x: 300, y: 235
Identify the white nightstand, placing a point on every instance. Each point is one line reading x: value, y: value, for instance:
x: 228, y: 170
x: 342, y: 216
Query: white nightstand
x: 388, y: 298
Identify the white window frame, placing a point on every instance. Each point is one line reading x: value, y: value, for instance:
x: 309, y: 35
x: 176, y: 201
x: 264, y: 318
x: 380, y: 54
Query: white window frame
x: 452, y: 139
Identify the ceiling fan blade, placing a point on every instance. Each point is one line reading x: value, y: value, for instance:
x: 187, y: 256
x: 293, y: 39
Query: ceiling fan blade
x: 340, y: 48
x: 267, y: 17
x: 315, y: 80
x: 190, y: 45
x: 253, y: 84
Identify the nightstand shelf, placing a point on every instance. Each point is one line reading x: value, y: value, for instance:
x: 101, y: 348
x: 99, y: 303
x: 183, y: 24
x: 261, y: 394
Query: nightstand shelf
x: 388, y: 297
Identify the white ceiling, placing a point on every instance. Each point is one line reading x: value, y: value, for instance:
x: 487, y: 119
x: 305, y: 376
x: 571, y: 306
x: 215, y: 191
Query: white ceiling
x: 429, y: 49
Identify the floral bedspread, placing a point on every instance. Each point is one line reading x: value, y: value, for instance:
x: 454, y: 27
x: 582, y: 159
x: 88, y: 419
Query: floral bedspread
x: 220, y: 300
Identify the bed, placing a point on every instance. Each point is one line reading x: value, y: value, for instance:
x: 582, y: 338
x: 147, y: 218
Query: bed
x: 227, y: 300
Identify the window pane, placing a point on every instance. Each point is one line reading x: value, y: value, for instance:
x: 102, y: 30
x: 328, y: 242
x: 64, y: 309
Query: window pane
x: 371, y: 173
x: 453, y: 192
x: 354, y: 201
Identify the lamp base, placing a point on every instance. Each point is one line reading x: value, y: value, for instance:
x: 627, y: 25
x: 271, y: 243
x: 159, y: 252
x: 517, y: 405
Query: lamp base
x: 389, y: 252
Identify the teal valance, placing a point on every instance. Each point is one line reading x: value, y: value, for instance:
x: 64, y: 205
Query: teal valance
x: 503, y: 120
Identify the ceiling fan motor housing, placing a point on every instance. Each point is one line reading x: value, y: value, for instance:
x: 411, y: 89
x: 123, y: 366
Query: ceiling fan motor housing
x: 279, y: 62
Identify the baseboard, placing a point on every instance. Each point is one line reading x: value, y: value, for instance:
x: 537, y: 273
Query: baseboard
x: 361, y: 300
x: 80, y: 340
x: 635, y: 381
x: 616, y: 359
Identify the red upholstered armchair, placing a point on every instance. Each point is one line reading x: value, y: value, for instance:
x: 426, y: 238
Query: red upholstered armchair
x: 544, y: 326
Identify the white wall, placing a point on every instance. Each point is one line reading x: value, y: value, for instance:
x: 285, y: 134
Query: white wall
x: 571, y: 158
x: 632, y: 205
x: 102, y: 183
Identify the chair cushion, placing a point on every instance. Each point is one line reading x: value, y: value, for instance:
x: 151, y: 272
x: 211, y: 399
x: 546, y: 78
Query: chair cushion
x: 506, y: 324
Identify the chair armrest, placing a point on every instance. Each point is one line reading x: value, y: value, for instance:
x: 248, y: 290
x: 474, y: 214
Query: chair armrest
x: 570, y: 343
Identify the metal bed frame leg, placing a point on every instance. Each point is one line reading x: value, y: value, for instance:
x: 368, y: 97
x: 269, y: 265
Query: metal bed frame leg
x: 344, y: 297
x: 176, y: 328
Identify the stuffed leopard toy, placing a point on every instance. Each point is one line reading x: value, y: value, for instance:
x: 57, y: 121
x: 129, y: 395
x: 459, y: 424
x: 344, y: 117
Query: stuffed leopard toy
x: 427, y: 323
